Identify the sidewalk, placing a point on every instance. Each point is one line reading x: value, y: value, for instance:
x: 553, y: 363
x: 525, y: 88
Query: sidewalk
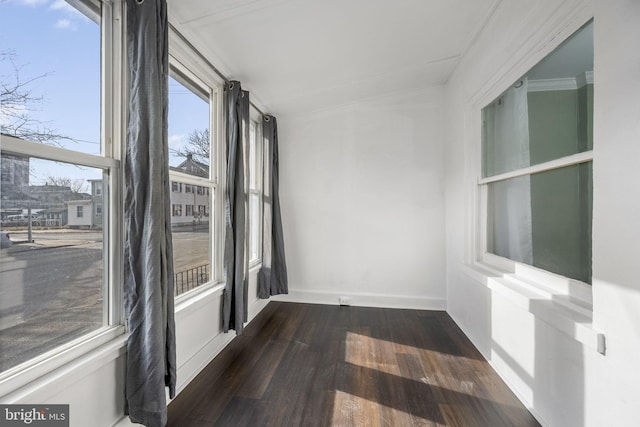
x: 23, y: 246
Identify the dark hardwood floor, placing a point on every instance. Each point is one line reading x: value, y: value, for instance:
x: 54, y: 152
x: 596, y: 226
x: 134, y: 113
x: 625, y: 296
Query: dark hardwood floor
x: 320, y: 365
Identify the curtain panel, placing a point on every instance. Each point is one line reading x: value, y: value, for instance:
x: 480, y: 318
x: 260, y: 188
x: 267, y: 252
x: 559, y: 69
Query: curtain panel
x: 236, y: 263
x: 272, y: 277
x: 148, y: 262
x: 507, y: 122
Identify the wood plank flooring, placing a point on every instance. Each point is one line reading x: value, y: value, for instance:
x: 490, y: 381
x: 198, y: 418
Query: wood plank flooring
x: 320, y: 365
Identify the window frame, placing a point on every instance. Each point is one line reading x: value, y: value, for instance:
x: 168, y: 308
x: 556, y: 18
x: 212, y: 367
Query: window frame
x: 255, y: 188
x: 198, y: 77
x: 112, y: 136
x: 481, y: 264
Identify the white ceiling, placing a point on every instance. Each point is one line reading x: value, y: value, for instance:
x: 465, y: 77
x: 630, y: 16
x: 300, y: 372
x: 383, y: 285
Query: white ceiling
x: 301, y: 55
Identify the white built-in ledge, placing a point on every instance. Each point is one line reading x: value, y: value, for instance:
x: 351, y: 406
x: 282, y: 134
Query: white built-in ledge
x: 572, y: 316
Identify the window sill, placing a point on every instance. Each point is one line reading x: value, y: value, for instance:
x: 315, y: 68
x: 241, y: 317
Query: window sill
x: 569, y: 315
x: 66, y: 361
x: 198, y: 296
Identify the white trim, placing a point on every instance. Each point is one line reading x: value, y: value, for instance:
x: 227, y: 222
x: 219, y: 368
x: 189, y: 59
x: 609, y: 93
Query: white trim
x: 563, y: 312
x: 19, y: 146
x: 181, y: 73
x: 258, y: 172
x: 364, y: 300
x: 584, y: 79
x: 563, y: 303
x: 547, y: 85
x: 543, y: 42
x: 197, y: 296
x: 183, y: 54
x: 113, y: 117
x: 23, y: 379
x: 567, y: 83
x: 218, y: 124
x: 574, y: 159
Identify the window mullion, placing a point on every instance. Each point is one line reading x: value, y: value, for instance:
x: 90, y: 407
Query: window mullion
x: 573, y: 159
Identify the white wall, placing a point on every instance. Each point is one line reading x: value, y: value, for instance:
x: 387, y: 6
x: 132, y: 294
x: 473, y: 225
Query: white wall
x: 616, y: 230
x: 362, y: 202
x: 562, y: 380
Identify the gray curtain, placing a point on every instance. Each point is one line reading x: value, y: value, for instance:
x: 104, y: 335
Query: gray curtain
x: 234, y: 302
x: 272, y: 277
x: 148, y: 264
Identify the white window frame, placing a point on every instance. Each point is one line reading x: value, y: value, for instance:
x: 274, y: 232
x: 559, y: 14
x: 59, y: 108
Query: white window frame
x: 189, y: 65
x: 30, y: 372
x: 256, y: 190
x: 569, y: 302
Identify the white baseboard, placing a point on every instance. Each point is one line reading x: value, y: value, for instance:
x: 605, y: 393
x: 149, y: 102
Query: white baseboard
x: 364, y: 300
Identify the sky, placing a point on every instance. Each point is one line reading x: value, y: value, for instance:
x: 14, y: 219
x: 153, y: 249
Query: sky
x: 51, y: 41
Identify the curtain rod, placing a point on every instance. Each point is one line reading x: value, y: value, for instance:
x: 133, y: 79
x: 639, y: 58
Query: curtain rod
x: 203, y: 58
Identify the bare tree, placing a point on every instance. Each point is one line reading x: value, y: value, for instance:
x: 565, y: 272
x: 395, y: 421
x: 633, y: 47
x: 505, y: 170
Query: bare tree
x: 76, y: 185
x: 198, y: 144
x: 17, y: 102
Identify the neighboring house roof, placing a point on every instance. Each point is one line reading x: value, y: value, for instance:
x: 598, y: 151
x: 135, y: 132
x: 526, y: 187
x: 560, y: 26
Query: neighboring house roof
x: 192, y: 167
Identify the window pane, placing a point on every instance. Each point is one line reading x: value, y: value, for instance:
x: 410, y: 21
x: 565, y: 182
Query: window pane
x: 190, y: 148
x: 254, y: 225
x: 253, y: 165
x: 50, y: 75
x: 255, y: 184
x: 189, y: 141
x: 545, y: 115
x: 544, y: 220
x: 51, y: 278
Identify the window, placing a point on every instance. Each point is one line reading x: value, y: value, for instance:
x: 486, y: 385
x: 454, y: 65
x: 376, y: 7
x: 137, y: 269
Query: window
x: 52, y: 149
x: 255, y: 188
x: 98, y: 209
x: 176, y: 210
x: 176, y: 187
x: 192, y: 152
x: 537, y: 139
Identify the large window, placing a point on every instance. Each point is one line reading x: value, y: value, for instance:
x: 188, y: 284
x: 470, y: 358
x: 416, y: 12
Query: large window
x: 191, y: 149
x: 62, y: 114
x: 255, y: 188
x: 55, y: 284
x: 537, y: 139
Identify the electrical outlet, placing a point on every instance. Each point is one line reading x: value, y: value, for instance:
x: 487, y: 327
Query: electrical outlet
x: 344, y: 301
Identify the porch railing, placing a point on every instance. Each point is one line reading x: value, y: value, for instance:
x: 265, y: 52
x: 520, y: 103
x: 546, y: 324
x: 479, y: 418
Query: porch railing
x: 190, y: 279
